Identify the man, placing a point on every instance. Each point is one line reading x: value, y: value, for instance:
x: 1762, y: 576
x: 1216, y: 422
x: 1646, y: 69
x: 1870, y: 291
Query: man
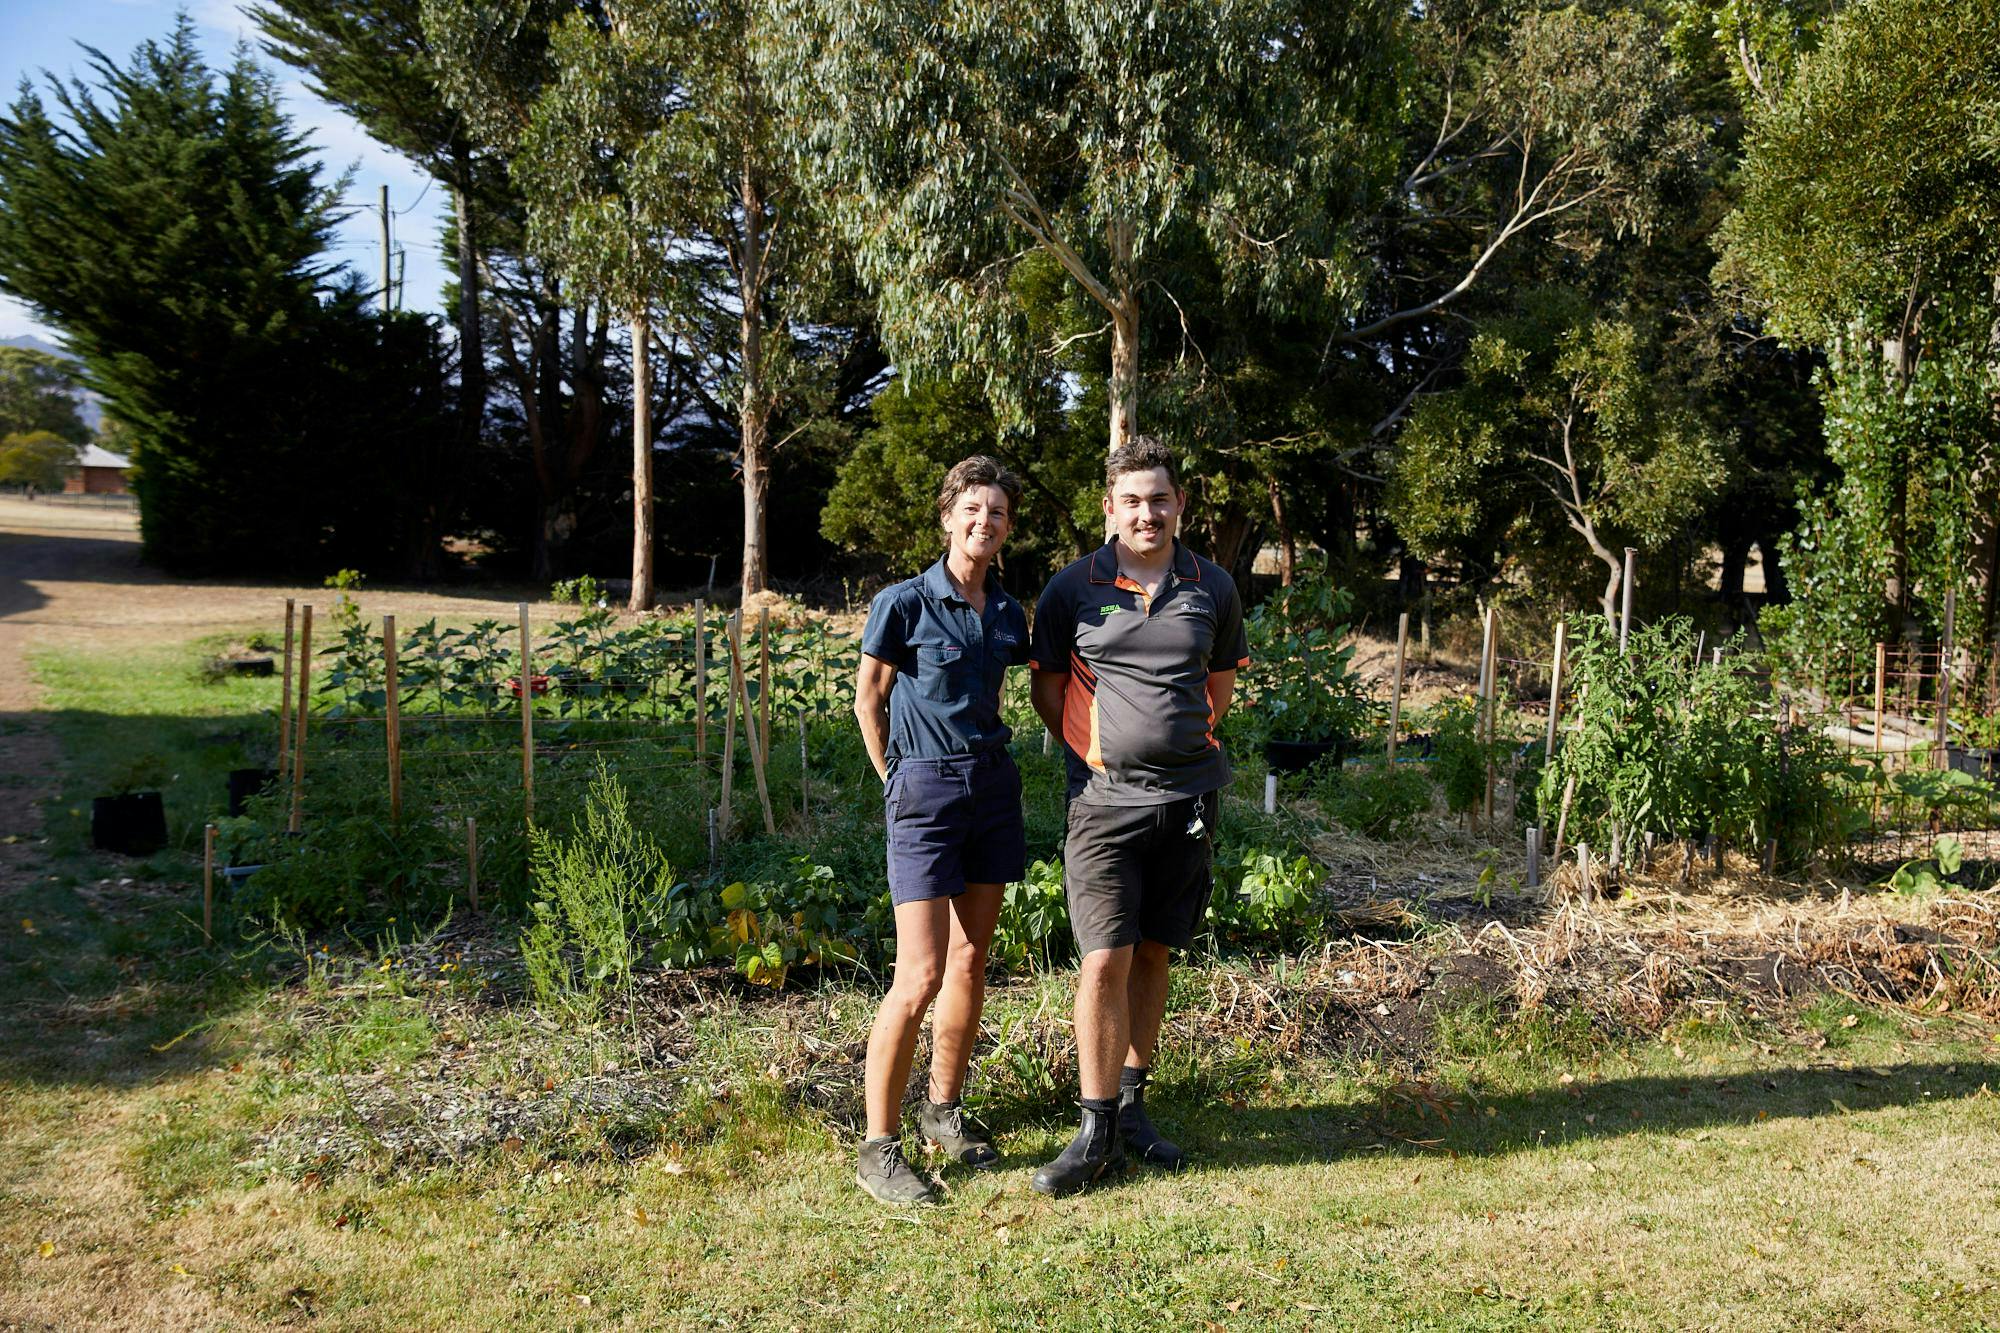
x: 1136, y: 649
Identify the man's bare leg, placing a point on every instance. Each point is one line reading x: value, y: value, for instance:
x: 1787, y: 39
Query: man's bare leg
x: 1146, y: 1001
x: 1146, y: 991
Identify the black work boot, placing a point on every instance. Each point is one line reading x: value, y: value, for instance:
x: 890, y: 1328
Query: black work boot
x: 885, y: 1175
x: 1146, y: 1142
x: 1094, y: 1153
x: 957, y: 1134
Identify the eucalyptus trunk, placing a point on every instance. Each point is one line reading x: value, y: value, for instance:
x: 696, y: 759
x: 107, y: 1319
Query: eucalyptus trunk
x: 642, y: 462
x: 755, y: 409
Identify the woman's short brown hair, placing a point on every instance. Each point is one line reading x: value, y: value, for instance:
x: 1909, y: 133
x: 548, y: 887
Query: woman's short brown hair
x: 978, y: 470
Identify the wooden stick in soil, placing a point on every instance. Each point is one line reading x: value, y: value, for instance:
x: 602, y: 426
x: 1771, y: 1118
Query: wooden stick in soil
x: 729, y: 721
x: 394, y: 720
x: 1491, y: 670
x: 303, y: 711
x: 805, y: 774
x: 1555, y: 690
x: 527, y: 721
x: 1396, y: 691
x: 700, y: 677
x: 208, y: 884
x: 1583, y: 870
x: 1946, y: 654
x: 472, y: 862
x: 285, y: 698
x: 764, y: 685
x: 1625, y: 606
x: 756, y: 756
x: 1562, y: 817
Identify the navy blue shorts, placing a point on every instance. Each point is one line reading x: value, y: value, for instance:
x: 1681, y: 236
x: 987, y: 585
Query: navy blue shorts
x: 953, y: 821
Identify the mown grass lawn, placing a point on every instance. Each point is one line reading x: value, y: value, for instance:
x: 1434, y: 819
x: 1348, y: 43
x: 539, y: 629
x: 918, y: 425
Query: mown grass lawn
x: 1826, y: 1167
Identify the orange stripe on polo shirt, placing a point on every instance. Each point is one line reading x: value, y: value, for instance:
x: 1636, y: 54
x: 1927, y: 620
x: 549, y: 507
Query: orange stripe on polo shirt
x: 1080, y: 726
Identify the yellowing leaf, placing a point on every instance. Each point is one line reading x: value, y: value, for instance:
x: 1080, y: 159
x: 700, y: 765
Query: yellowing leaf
x: 736, y: 896
x: 742, y: 925
x: 48, y: 1248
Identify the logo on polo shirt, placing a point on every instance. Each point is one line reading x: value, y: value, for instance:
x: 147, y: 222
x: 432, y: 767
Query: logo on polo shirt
x: 1110, y: 610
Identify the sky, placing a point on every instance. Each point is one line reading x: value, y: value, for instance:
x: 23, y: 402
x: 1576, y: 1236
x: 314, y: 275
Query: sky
x: 45, y: 34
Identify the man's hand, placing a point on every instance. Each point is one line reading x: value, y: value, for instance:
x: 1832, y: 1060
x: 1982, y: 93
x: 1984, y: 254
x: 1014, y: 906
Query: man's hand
x: 1221, y: 686
x: 1045, y: 691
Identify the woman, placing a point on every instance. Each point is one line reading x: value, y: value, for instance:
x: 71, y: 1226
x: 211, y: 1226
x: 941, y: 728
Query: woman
x: 952, y: 800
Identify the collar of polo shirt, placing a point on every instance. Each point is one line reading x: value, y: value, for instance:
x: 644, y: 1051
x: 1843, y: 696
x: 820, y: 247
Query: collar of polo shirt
x: 1104, y: 563
x: 938, y: 584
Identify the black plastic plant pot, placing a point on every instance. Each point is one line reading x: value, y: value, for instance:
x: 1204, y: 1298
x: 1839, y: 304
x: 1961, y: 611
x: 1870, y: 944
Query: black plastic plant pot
x: 134, y: 824
x: 1974, y: 760
x: 1296, y: 756
x: 247, y: 782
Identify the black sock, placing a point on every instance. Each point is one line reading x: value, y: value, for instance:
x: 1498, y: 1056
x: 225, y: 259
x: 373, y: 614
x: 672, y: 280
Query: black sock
x: 1130, y: 1079
x: 1101, y: 1105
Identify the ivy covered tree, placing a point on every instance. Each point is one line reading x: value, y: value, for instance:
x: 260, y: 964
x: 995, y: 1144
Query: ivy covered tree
x: 1869, y: 224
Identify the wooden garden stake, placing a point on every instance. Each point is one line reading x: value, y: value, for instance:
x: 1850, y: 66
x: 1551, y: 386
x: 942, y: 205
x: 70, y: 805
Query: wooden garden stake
x: 1625, y: 606
x: 764, y: 685
x: 1942, y: 749
x: 700, y: 677
x: 208, y: 884
x: 1396, y: 691
x: 1583, y: 869
x: 394, y: 722
x: 1562, y: 815
x: 1270, y: 793
x: 472, y: 862
x: 304, y: 710
x: 285, y: 699
x: 714, y: 843
x: 756, y: 754
x: 729, y: 719
x: 1489, y: 671
x: 527, y: 721
x: 805, y: 774
x: 1555, y: 690
x: 1534, y: 857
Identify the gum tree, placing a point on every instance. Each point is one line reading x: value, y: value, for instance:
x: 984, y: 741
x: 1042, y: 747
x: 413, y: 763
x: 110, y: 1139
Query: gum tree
x: 953, y: 141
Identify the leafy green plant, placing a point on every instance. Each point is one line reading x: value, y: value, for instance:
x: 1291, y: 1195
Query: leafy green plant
x: 1033, y: 928
x: 593, y: 891
x: 1377, y: 800
x: 1273, y: 900
x: 583, y: 590
x: 772, y: 929
x: 346, y: 611
x: 1936, y: 795
x: 1458, y: 756
x: 1301, y: 684
x: 1663, y: 741
x: 1929, y: 878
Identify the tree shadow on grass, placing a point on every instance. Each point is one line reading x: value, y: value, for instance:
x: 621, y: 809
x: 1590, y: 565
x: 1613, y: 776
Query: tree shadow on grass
x: 1563, y: 1113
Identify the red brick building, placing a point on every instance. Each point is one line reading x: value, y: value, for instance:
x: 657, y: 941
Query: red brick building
x: 100, y: 472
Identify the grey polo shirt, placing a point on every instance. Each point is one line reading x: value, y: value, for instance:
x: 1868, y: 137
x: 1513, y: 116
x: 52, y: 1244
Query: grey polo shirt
x: 1136, y: 719
x: 950, y: 662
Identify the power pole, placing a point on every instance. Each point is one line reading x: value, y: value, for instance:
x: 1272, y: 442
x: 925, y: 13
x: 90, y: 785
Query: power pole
x: 385, y: 250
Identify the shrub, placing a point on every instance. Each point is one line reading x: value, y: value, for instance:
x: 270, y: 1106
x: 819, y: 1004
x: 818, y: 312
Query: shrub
x: 594, y: 894
x: 1272, y: 901
x: 1667, y: 743
x: 1034, y: 929
x: 1301, y: 683
x: 1459, y: 757
x: 1377, y: 800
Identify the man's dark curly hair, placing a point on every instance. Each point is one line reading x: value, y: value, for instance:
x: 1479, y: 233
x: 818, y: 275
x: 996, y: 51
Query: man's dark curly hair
x: 1141, y: 453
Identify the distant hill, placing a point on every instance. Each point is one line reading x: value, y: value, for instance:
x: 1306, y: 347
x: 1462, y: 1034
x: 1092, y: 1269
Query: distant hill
x: 87, y: 404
